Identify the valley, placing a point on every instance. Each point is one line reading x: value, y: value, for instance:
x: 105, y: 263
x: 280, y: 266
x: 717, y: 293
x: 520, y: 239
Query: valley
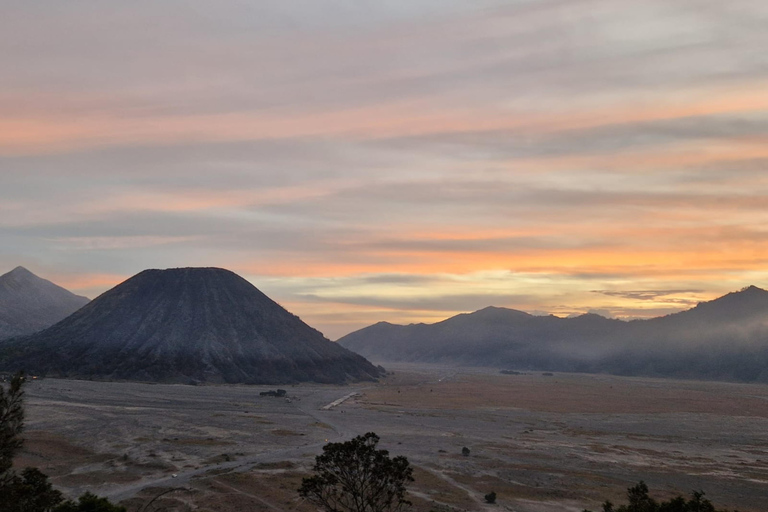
x: 558, y: 442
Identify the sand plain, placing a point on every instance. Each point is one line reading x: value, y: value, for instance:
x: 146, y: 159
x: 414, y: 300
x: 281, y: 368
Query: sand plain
x: 543, y: 443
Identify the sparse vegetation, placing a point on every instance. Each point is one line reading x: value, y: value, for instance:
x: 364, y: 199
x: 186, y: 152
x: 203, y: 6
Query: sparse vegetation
x: 31, y: 491
x: 486, y: 412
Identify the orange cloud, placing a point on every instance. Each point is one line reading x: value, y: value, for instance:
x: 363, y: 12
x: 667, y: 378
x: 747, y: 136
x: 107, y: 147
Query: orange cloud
x: 630, y: 260
x: 662, y: 159
x: 30, y: 135
x: 88, y: 243
x: 200, y: 200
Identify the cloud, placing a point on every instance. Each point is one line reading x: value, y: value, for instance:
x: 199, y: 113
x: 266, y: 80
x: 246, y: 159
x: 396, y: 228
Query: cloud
x: 650, y: 295
x: 436, y: 155
x: 236, y: 74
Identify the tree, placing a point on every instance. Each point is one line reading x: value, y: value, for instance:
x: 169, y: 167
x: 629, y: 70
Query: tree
x: 490, y: 497
x: 354, y: 476
x: 29, y: 492
x: 465, y: 451
x: 639, y: 500
x: 11, y: 424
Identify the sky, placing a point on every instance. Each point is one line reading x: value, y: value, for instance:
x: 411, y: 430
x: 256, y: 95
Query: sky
x: 398, y: 161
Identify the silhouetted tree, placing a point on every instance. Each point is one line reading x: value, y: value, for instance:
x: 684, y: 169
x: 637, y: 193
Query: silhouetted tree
x: 697, y: 503
x: 639, y: 500
x: 29, y: 492
x: 490, y: 497
x: 354, y: 476
x: 11, y: 423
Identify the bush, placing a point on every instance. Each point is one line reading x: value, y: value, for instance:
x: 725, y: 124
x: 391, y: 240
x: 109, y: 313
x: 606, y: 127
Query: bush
x: 641, y: 501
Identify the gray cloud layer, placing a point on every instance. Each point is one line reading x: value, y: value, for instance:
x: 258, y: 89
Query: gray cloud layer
x: 394, y: 142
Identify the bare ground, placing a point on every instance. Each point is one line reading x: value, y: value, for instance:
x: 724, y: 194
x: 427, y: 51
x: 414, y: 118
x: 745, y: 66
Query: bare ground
x: 542, y: 443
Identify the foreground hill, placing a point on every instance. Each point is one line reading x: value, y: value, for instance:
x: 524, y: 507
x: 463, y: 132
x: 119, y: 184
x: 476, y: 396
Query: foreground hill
x: 724, y: 339
x: 177, y: 325
x: 29, y: 304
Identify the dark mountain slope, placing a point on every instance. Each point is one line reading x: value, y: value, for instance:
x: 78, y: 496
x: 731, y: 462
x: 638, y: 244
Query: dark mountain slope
x: 29, y: 304
x: 724, y: 339
x: 174, y: 325
x: 744, y: 311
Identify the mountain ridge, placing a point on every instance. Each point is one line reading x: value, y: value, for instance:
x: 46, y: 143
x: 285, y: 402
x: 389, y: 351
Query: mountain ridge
x: 724, y: 339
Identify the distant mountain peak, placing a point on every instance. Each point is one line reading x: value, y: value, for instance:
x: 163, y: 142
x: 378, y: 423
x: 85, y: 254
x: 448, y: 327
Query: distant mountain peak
x: 19, y: 274
x: 747, y: 295
x: 29, y: 303
x: 500, y: 311
x: 589, y: 315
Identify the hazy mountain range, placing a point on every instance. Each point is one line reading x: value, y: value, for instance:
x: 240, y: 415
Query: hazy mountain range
x: 178, y: 325
x: 193, y: 324
x: 724, y: 339
x: 29, y: 304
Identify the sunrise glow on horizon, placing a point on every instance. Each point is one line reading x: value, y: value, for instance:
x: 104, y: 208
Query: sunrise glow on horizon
x: 397, y: 161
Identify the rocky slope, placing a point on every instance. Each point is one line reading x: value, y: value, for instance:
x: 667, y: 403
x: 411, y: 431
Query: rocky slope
x: 181, y: 325
x: 29, y: 304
